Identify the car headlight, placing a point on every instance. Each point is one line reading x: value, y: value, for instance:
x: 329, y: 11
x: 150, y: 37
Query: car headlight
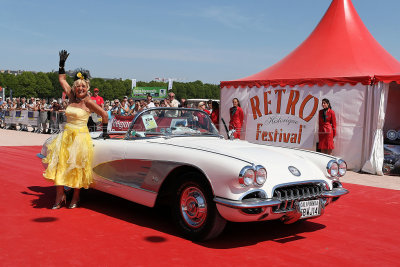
x: 342, y: 167
x: 253, y: 175
x: 261, y: 175
x: 332, y: 168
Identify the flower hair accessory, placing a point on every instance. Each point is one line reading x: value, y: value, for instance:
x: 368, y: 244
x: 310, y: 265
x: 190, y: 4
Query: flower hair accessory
x: 80, y: 76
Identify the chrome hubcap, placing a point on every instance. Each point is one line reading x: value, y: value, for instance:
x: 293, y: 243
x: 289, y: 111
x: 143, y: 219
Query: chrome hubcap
x: 193, y: 207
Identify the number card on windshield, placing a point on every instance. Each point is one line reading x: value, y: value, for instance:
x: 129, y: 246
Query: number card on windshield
x: 149, y: 122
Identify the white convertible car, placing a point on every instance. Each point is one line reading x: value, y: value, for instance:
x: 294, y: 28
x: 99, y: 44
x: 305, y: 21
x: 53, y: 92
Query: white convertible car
x: 177, y: 157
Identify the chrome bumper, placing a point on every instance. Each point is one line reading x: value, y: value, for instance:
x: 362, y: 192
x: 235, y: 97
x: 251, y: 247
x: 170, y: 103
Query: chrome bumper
x: 263, y: 203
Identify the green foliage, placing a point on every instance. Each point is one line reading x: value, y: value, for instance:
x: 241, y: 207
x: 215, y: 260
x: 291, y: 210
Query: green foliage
x: 46, y: 85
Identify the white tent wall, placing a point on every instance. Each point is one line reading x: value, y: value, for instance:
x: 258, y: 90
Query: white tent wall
x: 375, y: 119
x: 347, y: 101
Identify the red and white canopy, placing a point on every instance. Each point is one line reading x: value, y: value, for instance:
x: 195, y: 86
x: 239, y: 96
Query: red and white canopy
x: 340, y: 50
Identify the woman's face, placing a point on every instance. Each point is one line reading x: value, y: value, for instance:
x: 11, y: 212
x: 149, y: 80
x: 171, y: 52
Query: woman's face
x: 235, y: 102
x: 81, y: 90
x: 324, y: 105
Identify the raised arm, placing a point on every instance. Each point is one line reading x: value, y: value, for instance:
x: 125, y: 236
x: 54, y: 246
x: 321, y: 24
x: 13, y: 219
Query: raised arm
x: 62, y: 78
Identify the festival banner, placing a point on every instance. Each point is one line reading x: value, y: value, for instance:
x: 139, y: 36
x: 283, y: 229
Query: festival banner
x: 155, y: 92
x: 170, y: 82
x: 120, y: 123
x: 133, y: 83
x: 281, y: 116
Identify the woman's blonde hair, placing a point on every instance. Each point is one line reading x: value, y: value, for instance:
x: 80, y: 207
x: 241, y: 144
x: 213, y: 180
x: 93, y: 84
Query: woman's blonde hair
x: 79, y: 81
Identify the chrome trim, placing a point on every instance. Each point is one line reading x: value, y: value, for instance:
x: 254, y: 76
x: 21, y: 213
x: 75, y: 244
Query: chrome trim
x: 39, y: 155
x: 242, y: 173
x: 255, y: 169
x: 193, y: 206
x: 335, y: 192
x: 253, y: 191
x: 290, y: 195
x: 340, y: 161
x: 247, y: 203
x: 301, y: 182
x: 271, y: 202
x: 329, y: 166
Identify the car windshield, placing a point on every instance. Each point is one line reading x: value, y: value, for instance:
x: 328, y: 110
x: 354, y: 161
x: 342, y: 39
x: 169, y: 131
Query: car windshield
x: 172, y: 122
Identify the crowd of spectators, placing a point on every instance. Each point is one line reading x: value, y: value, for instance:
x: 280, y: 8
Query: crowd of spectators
x: 125, y: 107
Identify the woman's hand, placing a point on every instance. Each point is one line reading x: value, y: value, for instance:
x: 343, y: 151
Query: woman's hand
x: 63, y: 57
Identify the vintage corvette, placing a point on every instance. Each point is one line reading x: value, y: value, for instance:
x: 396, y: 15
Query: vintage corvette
x: 177, y: 157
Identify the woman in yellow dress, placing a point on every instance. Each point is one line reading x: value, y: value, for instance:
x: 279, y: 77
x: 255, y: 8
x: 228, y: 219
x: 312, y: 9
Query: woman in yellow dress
x: 70, y: 153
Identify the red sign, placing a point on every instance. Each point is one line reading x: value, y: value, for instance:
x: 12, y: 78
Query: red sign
x: 121, y: 123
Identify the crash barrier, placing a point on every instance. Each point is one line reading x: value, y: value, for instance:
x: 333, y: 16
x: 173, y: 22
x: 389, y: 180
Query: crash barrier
x: 43, y: 120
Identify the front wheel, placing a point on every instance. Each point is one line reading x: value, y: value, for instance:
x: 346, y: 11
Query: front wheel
x: 194, y: 210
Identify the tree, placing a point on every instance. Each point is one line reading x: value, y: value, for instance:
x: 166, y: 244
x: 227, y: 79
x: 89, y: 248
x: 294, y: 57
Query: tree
x: 45, y: 88
x: 25, y: 85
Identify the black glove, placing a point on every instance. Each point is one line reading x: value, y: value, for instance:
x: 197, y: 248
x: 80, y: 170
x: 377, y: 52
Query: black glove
x: 63, y: 57
x: 105, y: 134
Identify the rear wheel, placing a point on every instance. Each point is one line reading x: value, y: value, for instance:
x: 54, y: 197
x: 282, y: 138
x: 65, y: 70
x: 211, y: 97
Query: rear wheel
x: 194, y: 210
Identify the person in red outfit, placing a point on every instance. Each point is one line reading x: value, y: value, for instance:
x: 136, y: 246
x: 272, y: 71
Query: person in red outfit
x: 236, y: 121
x: 96, y: 98
x: 327, y: 127
x: 215, y: 114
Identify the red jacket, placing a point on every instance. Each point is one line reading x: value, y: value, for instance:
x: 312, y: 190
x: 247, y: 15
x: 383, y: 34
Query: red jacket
x: 236, y: 120
x: 327, y: 129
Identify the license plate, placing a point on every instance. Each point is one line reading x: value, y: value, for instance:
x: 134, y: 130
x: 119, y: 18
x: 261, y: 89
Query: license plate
x: 309, y: 208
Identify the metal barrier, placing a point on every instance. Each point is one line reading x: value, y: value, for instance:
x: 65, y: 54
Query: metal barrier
x: 40, y: 121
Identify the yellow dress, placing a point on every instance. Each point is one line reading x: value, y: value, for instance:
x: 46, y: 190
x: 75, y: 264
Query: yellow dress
x: 70, y: 153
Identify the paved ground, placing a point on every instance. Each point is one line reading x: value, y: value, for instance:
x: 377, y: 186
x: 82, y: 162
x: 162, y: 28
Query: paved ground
x: 17, y: 138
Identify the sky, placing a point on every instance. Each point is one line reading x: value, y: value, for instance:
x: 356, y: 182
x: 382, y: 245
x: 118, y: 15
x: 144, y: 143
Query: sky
x: 210, y: 41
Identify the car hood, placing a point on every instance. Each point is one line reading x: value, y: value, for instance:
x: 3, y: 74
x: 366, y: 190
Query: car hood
x: 275, y: 159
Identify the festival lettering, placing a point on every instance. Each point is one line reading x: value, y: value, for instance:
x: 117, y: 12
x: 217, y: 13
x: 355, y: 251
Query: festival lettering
x: 288, y: 103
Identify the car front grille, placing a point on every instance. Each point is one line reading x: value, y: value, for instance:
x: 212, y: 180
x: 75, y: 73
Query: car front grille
x: 292, y: 193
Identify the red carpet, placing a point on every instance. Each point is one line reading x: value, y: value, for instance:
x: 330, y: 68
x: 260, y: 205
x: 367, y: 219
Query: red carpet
x: 360, y: 229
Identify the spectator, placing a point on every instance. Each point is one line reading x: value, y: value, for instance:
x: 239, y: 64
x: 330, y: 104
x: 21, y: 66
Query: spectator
x: 96, y: 98
x: 1, y: 101
x: 236, y: 118
x: 201, y: 117
x: 202, y: 106
x: 137, y: 107
x: 32, y: 107
x: 183, y: 103
x: 53, y: 124
x: 43, y: 108
x: 107, y: 102
x: 142, y: 104
x: 115, y: 110
x: 124, y: 108
x: 209, y: 105
x: 326, y: 127
x: 171, y: 101
x: 149, y: 101
x: 23, y: 106
x: 131, y: 106
x: 157, y: 103
x: 215, y: 114
x: 108, y: 110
